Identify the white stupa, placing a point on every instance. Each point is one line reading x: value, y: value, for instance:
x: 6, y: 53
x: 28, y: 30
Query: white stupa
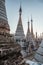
x: 39, y: 53
x: 29, y: 37
x: 19, y: 34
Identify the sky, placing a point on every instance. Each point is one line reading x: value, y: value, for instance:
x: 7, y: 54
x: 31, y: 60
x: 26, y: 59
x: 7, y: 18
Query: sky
x: 29, y: 7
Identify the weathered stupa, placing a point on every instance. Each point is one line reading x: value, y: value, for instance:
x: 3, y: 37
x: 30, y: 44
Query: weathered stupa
x: 19, y: 34
x: 29, y: 39
x: 4, y: 26
x: 9, y: 50
x: 30, y: 42
x: 39, y: 53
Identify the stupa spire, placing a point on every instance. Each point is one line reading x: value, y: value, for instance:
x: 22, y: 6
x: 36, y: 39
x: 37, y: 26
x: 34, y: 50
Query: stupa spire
x: 31, y: 25
x: 28, y: 32
x: 20, y: 10
x: 20, y: 13
x: 28, y: 28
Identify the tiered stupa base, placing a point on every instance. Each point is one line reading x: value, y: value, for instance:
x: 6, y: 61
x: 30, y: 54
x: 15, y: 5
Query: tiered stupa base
x: 10, y: 51
x: 4, y: 26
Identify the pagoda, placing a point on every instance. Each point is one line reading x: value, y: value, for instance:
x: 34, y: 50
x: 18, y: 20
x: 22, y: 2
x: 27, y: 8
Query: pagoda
x: 28, y: 39
x: 9, y: 50
x: 19, y: 34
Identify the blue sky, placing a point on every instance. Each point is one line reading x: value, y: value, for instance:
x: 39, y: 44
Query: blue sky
x: 29, y: 7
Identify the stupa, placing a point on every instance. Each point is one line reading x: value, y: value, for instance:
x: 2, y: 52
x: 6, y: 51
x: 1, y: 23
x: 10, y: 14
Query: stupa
x: 9, y: 50
x: 29, y: 40
x: 19, y: 34
x: 39, y: 54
